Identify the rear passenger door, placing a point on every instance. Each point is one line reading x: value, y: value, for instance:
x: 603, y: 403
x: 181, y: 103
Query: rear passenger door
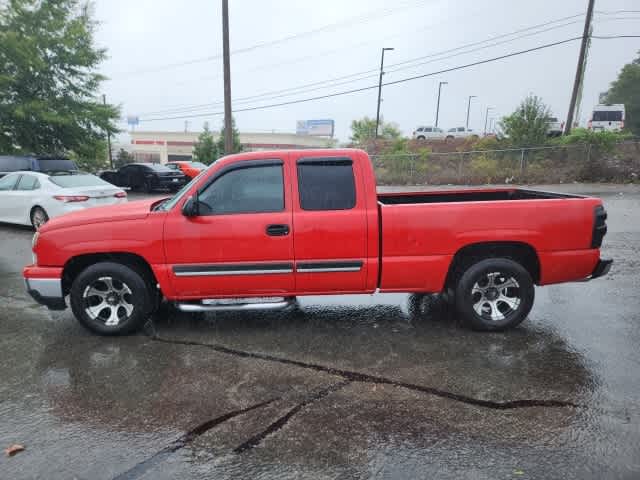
x: 330, y: 228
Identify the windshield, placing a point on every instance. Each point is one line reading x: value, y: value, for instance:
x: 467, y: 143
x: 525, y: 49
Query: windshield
x: 171, y: 202
x: 56, y: 165
x: 83, y: 180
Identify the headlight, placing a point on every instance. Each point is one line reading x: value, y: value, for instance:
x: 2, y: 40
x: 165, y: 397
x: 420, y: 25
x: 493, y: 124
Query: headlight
x: 34, y: 242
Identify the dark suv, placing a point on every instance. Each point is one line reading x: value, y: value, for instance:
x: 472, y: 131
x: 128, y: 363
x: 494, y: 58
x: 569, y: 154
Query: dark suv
x: 146, y: 177
x: 10, y: 164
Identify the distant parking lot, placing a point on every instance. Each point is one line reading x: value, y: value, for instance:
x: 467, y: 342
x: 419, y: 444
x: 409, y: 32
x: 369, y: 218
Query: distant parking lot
x: 328, y: 390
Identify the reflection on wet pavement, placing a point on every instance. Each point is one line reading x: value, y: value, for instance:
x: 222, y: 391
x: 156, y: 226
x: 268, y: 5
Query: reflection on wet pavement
x: 357, y: 387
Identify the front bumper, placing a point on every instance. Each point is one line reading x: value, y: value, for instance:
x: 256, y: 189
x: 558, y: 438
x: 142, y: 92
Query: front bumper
x: 47, y: 292
x: 601, y: 269
x: 169, y: 183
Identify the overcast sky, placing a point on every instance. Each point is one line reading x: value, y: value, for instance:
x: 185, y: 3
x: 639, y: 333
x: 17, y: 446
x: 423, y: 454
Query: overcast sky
x: 165, y: 54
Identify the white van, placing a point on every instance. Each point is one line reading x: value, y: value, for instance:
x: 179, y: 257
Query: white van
x: 608, y: 118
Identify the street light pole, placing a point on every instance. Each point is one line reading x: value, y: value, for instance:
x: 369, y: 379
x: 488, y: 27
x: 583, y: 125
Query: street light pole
x: 380, y: 89
x: 228, y: 124
x: 469, y: 108
x: 486, y: 117
x: 438, y: 106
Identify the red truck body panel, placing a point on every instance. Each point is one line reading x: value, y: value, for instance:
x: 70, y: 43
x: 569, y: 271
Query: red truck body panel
x: 396, y: 247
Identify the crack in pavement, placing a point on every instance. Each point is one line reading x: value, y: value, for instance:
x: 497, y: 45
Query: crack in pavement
x: 283, y: 420
x: 142, y: 467
x: 367, y: 378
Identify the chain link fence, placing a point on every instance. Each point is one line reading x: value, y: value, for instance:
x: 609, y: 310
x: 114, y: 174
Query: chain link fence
x: 548, y: 164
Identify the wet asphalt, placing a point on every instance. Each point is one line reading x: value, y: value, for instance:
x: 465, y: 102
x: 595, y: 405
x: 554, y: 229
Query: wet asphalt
x: 353, y: 387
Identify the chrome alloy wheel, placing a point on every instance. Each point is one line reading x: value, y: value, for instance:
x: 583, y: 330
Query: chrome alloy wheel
x: 108, y: 300
x: 495, y: 296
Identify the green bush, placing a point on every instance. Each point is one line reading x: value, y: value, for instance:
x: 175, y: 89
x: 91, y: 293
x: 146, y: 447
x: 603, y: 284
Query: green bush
x: 604, y: 141
x: 484, y: 167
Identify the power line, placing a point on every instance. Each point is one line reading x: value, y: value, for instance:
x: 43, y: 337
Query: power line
x: 610, y: 37
x: 362, y: 89
x: 381, y: 13
x: 328, y: 83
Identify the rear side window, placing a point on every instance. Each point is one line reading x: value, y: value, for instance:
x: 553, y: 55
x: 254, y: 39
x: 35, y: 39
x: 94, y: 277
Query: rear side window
x: 28, y: 182
x: 326, y: 184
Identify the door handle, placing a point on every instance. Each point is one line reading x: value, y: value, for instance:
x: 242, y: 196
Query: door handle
x: 277, y: 230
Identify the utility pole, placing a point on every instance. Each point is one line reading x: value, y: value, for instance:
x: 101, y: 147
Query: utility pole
x: 380, y: 89
x: 228, y: 128
x: 486, y: 117
x: 438, y: 107
x: 469, y: 108
x: 580, y: 69
x: 104, y: 102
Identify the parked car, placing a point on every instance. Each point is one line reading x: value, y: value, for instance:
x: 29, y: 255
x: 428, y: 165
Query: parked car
x: 555, y: 127
x: 32, y: 198
x: 460, y: 132
x: 147, y: 177
x: 309, y: 222
x: 190, y: 169
x: 14, y: 163
x: 608, y: 118
x: 428, y: 133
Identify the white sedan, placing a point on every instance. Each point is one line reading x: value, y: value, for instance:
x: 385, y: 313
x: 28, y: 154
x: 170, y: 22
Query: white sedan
x: 32, y: 198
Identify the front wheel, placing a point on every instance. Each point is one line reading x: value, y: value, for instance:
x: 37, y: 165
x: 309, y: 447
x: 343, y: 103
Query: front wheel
x: 111, y: 299
x: 494, y: 294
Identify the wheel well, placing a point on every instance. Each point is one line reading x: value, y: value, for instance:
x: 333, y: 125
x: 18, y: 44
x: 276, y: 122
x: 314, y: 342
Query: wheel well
x: 522, y: 253
x: 77, y: 264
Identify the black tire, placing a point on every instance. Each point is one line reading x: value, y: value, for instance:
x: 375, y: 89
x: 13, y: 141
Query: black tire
x: 502, y: 308
x: 139, y: 297
x: 38, y: 213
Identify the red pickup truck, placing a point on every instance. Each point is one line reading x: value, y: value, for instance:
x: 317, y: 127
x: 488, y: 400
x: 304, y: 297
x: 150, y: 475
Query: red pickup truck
x: 257, y: 229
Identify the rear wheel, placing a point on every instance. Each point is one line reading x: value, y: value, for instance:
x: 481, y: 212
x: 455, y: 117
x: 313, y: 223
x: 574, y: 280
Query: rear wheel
x: 111, y: 299
x: 38, y: 217
x: 494, y: 294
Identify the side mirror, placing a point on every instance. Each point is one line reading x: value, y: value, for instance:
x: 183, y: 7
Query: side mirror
x: 190, y: 207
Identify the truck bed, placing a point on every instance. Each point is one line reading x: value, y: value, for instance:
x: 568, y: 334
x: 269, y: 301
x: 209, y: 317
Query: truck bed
x: 472, y: 195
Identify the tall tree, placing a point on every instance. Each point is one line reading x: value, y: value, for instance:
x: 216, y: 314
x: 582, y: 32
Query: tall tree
x: 237, y: 146
x: 626, y: 89
x: 528, y: 124
x: 49, y: 99
x: 365, y: 129
x: 205, y: 150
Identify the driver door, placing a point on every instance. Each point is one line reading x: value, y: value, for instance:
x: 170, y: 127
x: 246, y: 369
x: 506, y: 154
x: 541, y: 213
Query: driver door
x: 241, y: 241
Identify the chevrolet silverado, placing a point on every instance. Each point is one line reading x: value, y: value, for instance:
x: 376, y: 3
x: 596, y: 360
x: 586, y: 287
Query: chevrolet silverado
x: 255, y: 230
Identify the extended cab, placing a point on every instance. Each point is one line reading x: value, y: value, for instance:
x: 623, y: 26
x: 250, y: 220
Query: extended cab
x: 255, y: 230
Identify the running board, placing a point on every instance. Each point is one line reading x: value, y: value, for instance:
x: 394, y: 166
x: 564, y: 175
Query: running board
x: 221, y: 305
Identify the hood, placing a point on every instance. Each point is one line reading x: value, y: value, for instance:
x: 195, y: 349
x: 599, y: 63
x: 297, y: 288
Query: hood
x: 113, y: 213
